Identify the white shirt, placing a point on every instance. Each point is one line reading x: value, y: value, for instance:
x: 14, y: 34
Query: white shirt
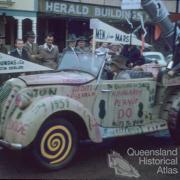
x: 102, y: 50
x: 47, y: 47
x: 19, y: 51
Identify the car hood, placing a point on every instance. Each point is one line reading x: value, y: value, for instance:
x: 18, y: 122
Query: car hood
x: 63, y: 77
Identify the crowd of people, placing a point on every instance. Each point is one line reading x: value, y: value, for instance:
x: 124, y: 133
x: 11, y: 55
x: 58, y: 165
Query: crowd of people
x: 121, y: 69
x: 48, y: 53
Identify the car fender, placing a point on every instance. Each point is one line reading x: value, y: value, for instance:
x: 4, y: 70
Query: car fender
x: 23, y: 130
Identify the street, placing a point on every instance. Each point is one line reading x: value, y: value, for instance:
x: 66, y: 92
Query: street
x: 92, y: 162
x: 77, y: 69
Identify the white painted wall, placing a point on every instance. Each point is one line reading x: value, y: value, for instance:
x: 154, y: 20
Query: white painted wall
x: 170, y: 4
x: 99, y: 2
x: 26, y: 5
x: 29, y: 5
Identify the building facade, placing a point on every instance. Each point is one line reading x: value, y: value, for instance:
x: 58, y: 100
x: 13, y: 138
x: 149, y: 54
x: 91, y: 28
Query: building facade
x: 16, y: 18
x: 67, y: 17
x: 63, y: 17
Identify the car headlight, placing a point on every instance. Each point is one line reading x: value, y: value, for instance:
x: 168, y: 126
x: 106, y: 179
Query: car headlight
x: 23, y: 100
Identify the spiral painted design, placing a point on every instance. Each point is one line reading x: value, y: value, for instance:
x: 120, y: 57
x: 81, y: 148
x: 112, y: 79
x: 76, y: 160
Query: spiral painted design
x: 56, y: 144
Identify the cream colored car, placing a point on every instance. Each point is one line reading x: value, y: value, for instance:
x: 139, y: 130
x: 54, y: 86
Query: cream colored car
x: 51, y: 112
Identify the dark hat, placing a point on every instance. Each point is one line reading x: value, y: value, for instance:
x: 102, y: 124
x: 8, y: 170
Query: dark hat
x: 82, y: 38
x: 2, y: 36
x: 71, y: 38
x: 120, y: 61
x: 90, y: 37
x: 30, y: 34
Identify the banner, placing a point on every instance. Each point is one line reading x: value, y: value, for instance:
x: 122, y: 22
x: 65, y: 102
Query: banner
x: 75, y: 8
x: 105, y: 33
x: 131, y: 4
x: 10, y: 64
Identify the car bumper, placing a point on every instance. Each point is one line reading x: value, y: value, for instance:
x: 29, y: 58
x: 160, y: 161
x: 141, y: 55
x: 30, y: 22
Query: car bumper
x: 10, y: 145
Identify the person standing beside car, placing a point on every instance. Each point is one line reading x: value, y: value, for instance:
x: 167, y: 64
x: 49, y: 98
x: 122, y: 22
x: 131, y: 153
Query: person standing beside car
x: 32, y: 48
x: 19, y: 50
x: 103, y: 49
x: 49, y: 52
x: 90, y: 44
x: 81, y: 45
x: 71, y: 43
x: 3, y: 49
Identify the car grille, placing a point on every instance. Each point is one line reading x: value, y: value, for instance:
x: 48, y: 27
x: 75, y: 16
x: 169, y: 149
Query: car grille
x: 4, y: 93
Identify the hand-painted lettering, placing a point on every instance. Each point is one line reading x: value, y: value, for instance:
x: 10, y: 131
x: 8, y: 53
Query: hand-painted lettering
x: 124, y: 113
x: 44, y: 92
x: 18, y: 127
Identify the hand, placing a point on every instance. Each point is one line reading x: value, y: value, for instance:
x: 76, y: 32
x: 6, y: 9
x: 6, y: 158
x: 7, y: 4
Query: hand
x: 171, y: 73
x: 33, y: 56
x: 36, y: 56
x: 130, y: 65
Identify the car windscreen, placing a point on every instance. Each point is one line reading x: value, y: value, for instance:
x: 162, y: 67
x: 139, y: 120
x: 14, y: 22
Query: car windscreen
x: 153, y: 57
x: 87, y: 62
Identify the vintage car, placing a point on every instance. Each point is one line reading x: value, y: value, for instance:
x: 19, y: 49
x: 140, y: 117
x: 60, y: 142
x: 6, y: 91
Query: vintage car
x: 156, y: 57
x: 51, y: 112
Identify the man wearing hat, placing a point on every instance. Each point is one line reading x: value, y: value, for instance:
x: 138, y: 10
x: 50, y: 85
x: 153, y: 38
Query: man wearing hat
x: 3, y: 49
x: 71, y: 43
x: 81, y: 45
x: 32, y: 48
x: 118, y: 67
x: 120, y: 70
x: 134, y: 55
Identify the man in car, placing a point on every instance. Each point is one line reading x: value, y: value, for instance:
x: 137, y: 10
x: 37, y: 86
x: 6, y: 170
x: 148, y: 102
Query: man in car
x: 133, y: 54
x: 118, y: 67
x: 121, y: 71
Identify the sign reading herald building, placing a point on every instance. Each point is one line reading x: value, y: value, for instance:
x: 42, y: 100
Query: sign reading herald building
x: 86, y: 10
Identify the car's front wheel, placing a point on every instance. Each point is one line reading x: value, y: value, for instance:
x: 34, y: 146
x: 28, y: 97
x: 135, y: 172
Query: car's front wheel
x: 55, y: 144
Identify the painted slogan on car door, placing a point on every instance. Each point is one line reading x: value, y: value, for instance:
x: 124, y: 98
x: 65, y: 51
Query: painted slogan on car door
x: 124, y: 104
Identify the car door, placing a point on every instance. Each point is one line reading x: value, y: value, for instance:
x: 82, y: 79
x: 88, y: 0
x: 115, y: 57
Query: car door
x: 124, y: 103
